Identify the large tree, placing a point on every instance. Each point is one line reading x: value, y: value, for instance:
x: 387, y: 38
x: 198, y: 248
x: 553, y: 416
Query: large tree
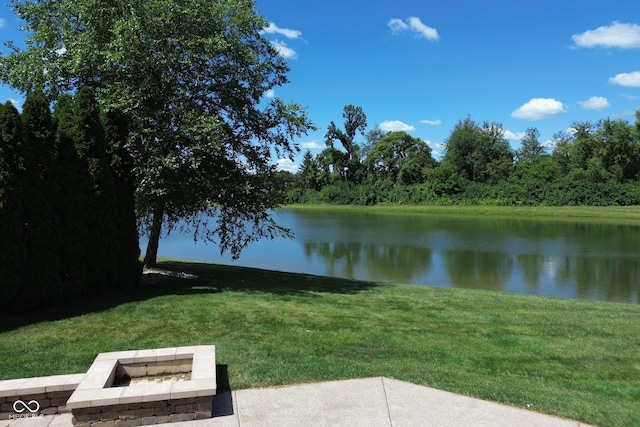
x: 191, y: 78
x: 354, y: 121
x: 480, y: 153
x: 13, y: 249
x: 400, y: 157
x: 41, y: 271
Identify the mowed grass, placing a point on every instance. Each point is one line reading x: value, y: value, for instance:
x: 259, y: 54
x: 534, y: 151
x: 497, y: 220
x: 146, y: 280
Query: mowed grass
x: 625, y: 214
x: 575, y: 359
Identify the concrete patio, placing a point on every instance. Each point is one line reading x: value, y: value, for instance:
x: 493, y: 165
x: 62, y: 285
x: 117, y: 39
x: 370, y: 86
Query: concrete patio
x: 357, y: 402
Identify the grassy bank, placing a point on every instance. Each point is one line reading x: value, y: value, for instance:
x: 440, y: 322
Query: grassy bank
x: 570, y: 358
x: 617, y: 213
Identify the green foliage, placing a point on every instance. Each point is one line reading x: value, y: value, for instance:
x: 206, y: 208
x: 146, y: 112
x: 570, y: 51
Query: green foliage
x: 592, y: 165
x: 74, y: 183
x: 354, y: 121
x: 59, y: 211
x: 89, y: 138
x: 191, y: 78
x: 116, y: 129
x: 480, y: 154
x: 531, y: 149
x: 309, y: 172
x: 444, y: 179
x: 400, y: 157
x: 12, y: 216
x: 39, y: 193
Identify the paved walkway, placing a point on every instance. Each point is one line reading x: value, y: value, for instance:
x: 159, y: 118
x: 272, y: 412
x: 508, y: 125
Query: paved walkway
x: 362, y: 402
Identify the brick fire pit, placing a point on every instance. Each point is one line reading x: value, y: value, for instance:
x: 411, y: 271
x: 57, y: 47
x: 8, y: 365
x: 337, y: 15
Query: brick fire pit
x: 142, y: 387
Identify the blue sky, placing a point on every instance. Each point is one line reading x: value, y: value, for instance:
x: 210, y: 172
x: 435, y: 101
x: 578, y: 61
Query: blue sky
x: 421, y: 66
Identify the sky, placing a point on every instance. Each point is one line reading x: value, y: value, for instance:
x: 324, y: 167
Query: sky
x: 422, y: 66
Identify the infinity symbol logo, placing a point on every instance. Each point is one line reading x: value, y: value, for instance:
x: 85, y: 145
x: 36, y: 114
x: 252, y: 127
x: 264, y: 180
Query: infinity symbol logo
x: 26, y: 406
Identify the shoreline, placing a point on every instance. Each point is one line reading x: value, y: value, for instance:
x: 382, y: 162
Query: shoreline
x: 609, y: 213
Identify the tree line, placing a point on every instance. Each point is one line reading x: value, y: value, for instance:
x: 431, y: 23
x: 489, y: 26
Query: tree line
x: 67, y: 209
x: 590, y: 164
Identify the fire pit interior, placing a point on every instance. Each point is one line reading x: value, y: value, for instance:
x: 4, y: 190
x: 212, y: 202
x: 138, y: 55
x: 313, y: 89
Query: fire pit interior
x: 133, y: 374
x: 150, y: 386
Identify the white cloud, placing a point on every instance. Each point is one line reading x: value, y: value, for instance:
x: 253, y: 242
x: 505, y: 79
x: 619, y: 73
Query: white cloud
x: 270, y: 93
x: 397, y: 25
x: 514, y: 136
x: 395, y: 126
x: 274, y: 29
x: 436, y: 122
x: 313, y: 145
x: 595, y: 103
x: 538, y: 109
x: 414, y: 24
x: 2, y: 22
x: 424, y: 30
x: 626, y: 79
x: 287, y: 165
x: 625, y: 36
x: 284, y: 50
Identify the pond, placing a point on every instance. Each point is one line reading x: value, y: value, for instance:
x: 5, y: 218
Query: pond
x: 560, y: 258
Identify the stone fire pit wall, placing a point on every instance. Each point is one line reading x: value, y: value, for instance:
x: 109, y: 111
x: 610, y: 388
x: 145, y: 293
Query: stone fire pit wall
x: 49, y: 393
x: 96, y: 402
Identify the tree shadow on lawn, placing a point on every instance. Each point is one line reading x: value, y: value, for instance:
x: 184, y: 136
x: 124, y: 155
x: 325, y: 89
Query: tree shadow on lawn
x: 211, y: 278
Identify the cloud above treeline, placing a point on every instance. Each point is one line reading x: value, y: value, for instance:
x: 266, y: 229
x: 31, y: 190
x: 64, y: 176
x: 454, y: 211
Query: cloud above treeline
x: 395, y: 126
x: 597, y: 103
x: 513, y: 136
x: 626, y: 79
x: 539, y: 109
x: 436, y: 122
x: 415, y: 25
x: 312, y: 145
x: 287, y: 165
x: 620, y: 35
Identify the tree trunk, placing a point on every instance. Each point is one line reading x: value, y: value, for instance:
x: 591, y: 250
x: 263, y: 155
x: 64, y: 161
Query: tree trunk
x: 151, y: 255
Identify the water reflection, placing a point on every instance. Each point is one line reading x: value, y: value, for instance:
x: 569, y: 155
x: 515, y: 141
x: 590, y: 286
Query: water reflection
x: 586, y: 260
x: 469, y: 269
x: 382, y: 262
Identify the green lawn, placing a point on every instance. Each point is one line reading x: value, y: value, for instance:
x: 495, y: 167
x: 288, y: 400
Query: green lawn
x: 574, y: 359
x: 613, y: 213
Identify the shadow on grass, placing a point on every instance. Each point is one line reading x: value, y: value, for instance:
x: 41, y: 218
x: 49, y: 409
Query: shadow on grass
x: 212, y: 278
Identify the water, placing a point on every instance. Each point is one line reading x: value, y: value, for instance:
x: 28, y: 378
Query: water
x: 569, y: 259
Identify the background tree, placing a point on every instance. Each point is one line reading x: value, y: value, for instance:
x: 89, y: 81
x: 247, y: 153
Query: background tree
x: 116, y: 128
x: 354, y: 121
x: 190, y: 76
x: 309, y: 172
x: 103, y: 249
x: 74, y: 191
x: 13, y: 250
x: 400, y: 157
x: 41, y: 271
x: 531, y: 150
x: 479, y: 153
